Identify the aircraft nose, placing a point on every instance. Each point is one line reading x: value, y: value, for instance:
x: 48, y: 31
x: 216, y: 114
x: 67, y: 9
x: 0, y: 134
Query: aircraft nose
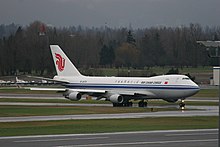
x: 196, y: 88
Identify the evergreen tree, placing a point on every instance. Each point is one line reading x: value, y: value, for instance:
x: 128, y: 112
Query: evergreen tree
x: 130, y: 38
x: 107, y: 55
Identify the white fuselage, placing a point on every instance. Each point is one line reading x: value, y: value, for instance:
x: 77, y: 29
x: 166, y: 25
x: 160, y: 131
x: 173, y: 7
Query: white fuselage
x: 168, y: 87
x: 119, y: 89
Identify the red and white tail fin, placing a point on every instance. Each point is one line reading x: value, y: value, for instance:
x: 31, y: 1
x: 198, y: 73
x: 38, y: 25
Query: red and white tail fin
x: 63, y: 65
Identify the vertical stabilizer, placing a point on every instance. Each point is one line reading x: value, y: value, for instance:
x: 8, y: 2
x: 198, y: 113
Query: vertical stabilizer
x: 63, y: 65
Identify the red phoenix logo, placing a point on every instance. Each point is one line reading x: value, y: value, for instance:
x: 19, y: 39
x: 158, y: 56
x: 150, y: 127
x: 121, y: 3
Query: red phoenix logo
x: 60, y: 62
x: 166, y: 82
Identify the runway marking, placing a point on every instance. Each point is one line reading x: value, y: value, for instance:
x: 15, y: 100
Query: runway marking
x: 141, y: 143
x: 46, y: 140
x: 191, y: 134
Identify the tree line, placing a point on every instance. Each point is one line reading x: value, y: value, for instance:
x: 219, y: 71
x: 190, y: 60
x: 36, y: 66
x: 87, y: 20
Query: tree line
x: 26, y: 49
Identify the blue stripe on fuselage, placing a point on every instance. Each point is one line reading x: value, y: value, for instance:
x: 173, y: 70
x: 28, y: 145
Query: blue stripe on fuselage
x: 132, y: 86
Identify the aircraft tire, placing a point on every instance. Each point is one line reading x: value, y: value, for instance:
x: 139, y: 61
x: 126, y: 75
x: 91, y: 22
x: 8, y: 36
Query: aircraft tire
x: 130, y: 104
x: 118, y: 104
x: 142, y: 104
x: 182, y: 105
x: 145, y: 104
x: 115, y: 104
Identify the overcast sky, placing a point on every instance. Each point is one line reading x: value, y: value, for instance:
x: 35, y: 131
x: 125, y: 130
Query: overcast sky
x: 114, y: 13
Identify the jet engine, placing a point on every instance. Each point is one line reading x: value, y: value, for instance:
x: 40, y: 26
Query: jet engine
x: 116, y: 98
x: 74, y: 96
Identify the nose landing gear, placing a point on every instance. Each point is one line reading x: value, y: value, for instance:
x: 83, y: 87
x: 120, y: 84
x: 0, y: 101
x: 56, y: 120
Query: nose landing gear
x: 182, y: 104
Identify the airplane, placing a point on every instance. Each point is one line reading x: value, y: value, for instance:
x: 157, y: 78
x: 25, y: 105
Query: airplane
x: 2, y: 82
x: 118, y: 90
x: 19, y: 81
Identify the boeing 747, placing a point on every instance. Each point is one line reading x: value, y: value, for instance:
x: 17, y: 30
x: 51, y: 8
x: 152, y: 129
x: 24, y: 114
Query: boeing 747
x: 119, y: 90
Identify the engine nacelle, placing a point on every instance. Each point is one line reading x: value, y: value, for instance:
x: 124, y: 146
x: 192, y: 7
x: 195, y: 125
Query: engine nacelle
x: 116, y: 98
x: 74, y: 96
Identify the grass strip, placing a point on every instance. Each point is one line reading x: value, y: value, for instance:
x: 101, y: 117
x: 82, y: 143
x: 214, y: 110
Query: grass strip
x: 15, y: 111
x: 207, y: 93
x: 106, y: 125
x: 150, y: 102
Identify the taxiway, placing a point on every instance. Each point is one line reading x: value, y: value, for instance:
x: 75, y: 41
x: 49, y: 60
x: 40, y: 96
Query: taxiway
x: 165, y: 138
x: 198, y: 110
x: 59, y: 96
x: 210, y: 111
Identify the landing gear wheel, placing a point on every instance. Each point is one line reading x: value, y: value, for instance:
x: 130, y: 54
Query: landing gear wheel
x: 130, y: 104
x: 114, y: 104
x: 117, y: 104
x: 182, y: 104
x: 142, y: 104
x: 125, y: 104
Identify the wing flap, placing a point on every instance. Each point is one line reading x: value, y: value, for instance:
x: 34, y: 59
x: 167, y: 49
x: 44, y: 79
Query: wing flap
x: 141, y: 93
x: 88, y: 90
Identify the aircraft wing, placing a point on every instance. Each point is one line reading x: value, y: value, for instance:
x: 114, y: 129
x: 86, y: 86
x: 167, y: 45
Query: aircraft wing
x: 133, y: 93
x: 47, y: 89
x: 49, y: 79
x: 66, y: 89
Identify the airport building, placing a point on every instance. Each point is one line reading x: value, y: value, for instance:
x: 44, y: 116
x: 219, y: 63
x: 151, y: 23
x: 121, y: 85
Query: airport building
x: 215, y: 76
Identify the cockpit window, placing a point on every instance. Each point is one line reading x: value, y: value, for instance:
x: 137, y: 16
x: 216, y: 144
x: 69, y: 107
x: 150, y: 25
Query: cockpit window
x: 185, y: 78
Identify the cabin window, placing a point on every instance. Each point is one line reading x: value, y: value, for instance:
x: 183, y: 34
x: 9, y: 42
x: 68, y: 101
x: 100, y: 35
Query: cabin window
x: 185, y: 78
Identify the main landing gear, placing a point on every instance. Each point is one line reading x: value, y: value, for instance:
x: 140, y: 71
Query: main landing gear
x: 142, y: 104
x: 129, y: 104
x: 124, y: 104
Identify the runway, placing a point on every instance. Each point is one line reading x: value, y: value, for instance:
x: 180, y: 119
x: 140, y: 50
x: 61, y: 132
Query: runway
x: 59, y: 96
x: 165, y: 138
x: 170, y: 138
x: 199, y: 110
x: 213, y: 111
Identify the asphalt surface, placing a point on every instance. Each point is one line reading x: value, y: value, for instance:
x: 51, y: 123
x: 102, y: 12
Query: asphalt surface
x: 209, y: 111
x: 189, y: 138
x: 170, y: 138
x: 59, y: 96
x: 201, y: 110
